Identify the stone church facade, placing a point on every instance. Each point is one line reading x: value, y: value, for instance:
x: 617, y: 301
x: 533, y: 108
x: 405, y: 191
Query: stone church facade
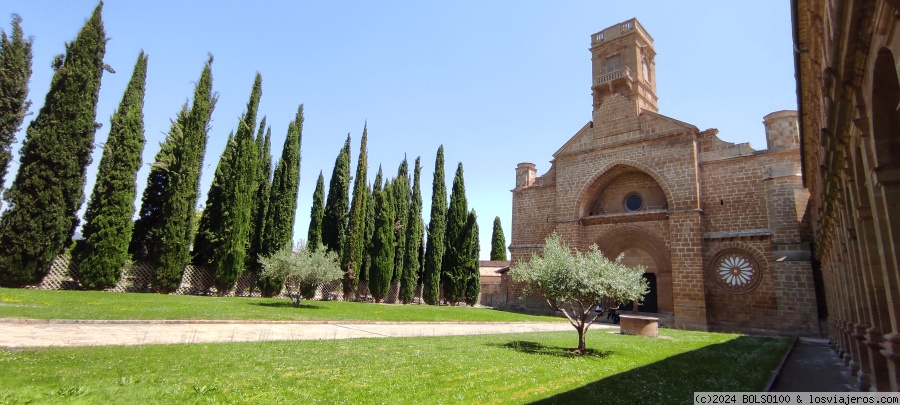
x: 722, y: 229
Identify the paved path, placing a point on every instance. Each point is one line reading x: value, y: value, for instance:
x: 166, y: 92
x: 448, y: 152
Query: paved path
x: 35, y: 333
x: 813, y: 367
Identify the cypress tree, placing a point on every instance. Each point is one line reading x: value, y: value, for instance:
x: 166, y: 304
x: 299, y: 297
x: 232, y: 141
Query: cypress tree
x: 100, y: 255
x: 261, y: 200
x: 180, y: 197
x: 49, y: 187
x: 389, y: 186
x: 401, y: 213
x: 453, y: 275
x: 379, y: 178
x: 15, y: 71
x: 472, y: 247
x: 316, y: 214
x: 147, y: 226
x: 239, y: 190
x: 413, y: 231
x: 498, y: 242
x: 279, y: 231
x: 353, y: 243
x: 434, y: 248
x: 334, y: 224
x: 212, y: 218
x: 382, y: 246
x: 370, y: 228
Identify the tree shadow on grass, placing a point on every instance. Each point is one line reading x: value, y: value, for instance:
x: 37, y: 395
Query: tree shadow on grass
x: 524, y: 346
x: 286, y: 304
x: 745, y: 363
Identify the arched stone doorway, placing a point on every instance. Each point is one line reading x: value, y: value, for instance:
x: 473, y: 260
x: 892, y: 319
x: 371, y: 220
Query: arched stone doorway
x: 639, y: 247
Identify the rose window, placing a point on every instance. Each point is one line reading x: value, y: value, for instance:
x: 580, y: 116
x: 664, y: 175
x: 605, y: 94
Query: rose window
x: 735, y: 271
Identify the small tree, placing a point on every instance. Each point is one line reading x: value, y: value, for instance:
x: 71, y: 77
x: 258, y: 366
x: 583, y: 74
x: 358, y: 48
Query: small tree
x: 303, y: 272
x: 574, y: 283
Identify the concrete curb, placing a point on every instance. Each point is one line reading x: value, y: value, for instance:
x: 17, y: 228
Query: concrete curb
x: 778, y: 370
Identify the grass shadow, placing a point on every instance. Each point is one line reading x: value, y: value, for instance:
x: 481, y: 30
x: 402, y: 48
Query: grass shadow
x: 524, y: 346
x: 286, y: 304
x: 742, y: 364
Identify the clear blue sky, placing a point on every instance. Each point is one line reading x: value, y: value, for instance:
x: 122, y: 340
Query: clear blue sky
x: 496, y: 82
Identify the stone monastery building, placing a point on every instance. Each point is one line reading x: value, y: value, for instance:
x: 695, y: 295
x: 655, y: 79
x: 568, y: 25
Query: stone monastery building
x: 722, y: 230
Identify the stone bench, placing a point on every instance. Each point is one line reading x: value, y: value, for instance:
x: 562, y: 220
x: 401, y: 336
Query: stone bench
x: 639, y: 325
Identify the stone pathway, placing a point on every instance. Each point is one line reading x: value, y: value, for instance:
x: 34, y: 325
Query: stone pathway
x: 813, y: 367
x: 35, y: 333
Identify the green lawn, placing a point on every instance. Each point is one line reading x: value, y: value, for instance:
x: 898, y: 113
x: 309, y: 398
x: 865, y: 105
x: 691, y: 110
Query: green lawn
x: 43, y: 304
x: 523, y: 368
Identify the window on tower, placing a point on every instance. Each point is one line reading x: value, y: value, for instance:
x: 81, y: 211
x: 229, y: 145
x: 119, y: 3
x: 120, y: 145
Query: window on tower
x: 612, y: 63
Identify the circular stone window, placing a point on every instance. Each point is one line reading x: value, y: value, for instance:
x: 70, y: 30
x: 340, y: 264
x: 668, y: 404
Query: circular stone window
x: 735, y: 271
x: 634, y: 202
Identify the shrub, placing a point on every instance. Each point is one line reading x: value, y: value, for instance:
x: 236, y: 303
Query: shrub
x: 302, y: 271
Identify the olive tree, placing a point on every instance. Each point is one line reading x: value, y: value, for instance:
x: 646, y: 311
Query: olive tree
x: 302, y: 271
x: 574, y: 282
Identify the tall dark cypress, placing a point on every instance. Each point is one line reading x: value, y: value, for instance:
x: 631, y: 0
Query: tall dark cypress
x: 316, y: 214
x: 498, y: 242
x: 413, y: 232
x: 370, y: 228
x: 279, y: 231
x: 434, y: 247
x: 472, y: 248
x: 15, y: 71
x: 103, y: 250
x: 239, y: 190
x: 401, y: 212
x: 212, y: 218
x: 351, y: 262
x: 261, y: 200
x: 49, y: 187
x: 150, y: 216
x: 453, y: 276
x: 382, y: 246
x: 334, y: 224
x: 180, y: 197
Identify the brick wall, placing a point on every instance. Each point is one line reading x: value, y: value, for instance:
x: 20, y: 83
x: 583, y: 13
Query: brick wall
x: 723, y: 212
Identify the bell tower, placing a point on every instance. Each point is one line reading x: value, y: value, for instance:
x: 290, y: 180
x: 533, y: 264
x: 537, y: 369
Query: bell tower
x: 624, y: 72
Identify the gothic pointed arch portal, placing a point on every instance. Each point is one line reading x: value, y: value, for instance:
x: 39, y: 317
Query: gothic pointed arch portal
x: 639, y: 247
